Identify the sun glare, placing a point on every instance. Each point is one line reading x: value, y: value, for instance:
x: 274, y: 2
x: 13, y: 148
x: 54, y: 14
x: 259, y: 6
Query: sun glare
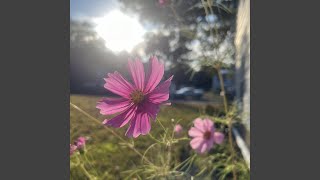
x: 121, y: 32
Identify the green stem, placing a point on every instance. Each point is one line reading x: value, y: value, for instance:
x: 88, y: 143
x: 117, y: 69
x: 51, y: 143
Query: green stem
x: 225, y: 102
x: 86, y: 172
x: 232, y: 148
x: 80, y: 160
x: 162, y: 126
x: 169, y: 155
x: 180, y: 139
x: 90, y: 163
x: 229, y: 121
x: 154, y: 138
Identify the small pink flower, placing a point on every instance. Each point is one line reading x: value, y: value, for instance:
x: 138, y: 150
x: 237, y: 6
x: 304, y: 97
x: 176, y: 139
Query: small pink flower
x: 139, y: 101
x: 73, y: 148
x: 178, y: 129
x: 163, y: 2
x: 204, y: 135
x: 81, y: 142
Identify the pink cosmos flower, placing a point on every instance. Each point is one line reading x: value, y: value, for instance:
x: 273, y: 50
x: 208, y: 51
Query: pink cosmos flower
x: 73, y: 148
x: 178, y: 129
x: 139, y: 101
x: 204, y: 135
x: 81, y: 142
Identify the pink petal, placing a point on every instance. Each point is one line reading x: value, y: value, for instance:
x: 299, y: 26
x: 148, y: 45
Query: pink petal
x: 203, y: 148
x: 210, y: 143
x: 161, y: 93
x: 140, y: 124
x: 131, y: 128
x: 118, y: 85
x: 208, y: 124
x: 109, y: 106
x: 199, y: 124
x: 218, y: 137
x: 129, y: 131
x: 194, y: 132
x: 137, y: 73
x: 178, y: 128
x: 81, y: 142
x: 156, y: 71
x: 196, y: 142
x: 150, y: 108
x: 137, y: 126
x: 162, y: 2
x: 73, y: 148
x: 122, y: 119
x: 145, y: 125
x: 134, y: 129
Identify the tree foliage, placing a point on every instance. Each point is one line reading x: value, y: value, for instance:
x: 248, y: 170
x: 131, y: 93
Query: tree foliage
x: 190, y: 30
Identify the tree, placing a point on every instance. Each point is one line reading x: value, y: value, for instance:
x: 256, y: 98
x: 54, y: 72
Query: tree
x: 184, y: 23
x: 191, y: 32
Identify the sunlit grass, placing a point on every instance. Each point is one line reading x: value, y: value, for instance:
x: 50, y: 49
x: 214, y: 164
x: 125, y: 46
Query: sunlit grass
x: 111, y: 159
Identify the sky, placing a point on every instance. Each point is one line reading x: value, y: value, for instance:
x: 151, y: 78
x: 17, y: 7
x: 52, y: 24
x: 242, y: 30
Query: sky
x: 91, y: 8
x: 121, y: 32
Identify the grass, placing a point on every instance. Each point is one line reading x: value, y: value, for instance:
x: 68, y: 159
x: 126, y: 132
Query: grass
x: 110, y: 159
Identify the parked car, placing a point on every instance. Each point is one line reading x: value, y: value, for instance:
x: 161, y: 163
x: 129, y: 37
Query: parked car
x: 188, y: 93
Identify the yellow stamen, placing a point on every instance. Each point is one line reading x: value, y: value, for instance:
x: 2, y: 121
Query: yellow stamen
x: 137, y: 96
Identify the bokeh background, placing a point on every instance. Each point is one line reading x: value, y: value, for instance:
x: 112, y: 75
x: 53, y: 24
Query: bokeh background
x: 104, y: 34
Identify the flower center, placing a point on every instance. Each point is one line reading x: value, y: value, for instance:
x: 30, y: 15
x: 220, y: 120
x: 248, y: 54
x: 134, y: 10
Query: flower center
x: 137, y: 96
x: 207, y: 135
